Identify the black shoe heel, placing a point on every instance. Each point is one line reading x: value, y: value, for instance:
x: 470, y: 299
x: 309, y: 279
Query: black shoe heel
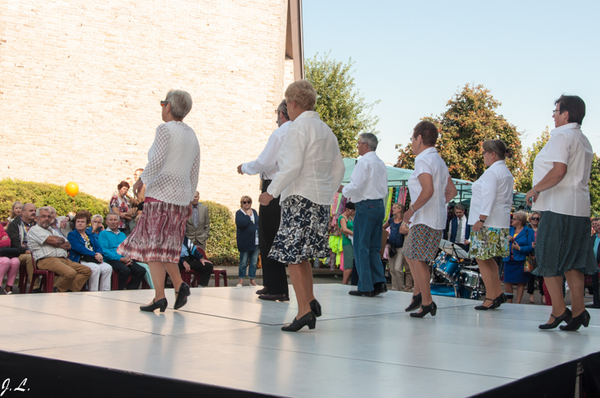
x: 425, y: 309
x: 309, y: 319
x: 495, y: 304
x: 415, y: 303
x: 566, y: 317
x: 315, y: 307
x: 576, y: 322
x: 182, y: 295
x: 161, y: 304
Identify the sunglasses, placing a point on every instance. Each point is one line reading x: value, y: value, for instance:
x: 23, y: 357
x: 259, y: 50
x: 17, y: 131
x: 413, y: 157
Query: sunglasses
x: 535, y: 218
x: 163, y: 103
x: 245, y: 202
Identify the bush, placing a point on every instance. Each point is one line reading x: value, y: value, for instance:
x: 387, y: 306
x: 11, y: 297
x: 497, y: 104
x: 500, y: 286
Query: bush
x: 221, y: 246
x: 43, y: 194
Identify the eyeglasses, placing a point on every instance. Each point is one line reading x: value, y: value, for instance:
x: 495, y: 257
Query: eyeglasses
x: 555, y: 111
x: 163, y: 103
x: 484, y: 152
x: 245, y: 202
x: 535, y: 218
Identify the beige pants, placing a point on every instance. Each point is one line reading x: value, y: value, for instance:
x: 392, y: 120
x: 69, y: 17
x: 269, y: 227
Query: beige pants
x: 396, y: 266
x: 71, y: 276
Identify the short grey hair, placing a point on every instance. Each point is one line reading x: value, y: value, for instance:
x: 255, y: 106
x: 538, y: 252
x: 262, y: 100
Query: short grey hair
x: 44, y: 208
x: 112, y: 213
x: 181, y: 103
x: 98, y: 215
x: 283, y: 109
x: 370, y: 139
x: 460, y: 206
x: 51, y: 209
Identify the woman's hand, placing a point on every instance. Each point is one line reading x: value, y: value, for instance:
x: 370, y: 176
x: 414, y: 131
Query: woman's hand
x: 98, y: 257
x: 531, y: 197
x: 5, y: 237
x: 516, y: 246
x: 408, y: 214
x: 186, y: 266
x: 137, y: 186
x: 477, y: 226
x: 533, y: 244
x: 265, y: 198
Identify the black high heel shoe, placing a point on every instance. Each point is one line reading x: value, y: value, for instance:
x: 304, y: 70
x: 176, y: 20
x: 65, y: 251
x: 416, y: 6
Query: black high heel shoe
x: 162, y: 304
x: 309, y: 319
x: 575, y: 324
x: 315, y: 307
x: 182, y: 294
x: 566, y: 316
x: 415, y: 303
x: 495, y: 304
x: 425, y: 309
x: 502, y: 298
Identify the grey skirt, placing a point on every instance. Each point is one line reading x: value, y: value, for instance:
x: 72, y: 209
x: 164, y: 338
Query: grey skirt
x: 563, y: 243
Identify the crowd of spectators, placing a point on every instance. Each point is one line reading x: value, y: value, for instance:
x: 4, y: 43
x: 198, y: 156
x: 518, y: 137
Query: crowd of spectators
x: 82, y: 252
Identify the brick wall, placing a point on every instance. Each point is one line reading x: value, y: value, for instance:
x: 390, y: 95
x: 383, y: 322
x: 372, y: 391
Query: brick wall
x: 80, y: 85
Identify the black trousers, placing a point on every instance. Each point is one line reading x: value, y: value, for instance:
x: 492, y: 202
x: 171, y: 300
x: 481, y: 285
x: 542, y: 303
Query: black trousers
x: 274, y: 275
x: 136, y: 271
x: 204, y: 270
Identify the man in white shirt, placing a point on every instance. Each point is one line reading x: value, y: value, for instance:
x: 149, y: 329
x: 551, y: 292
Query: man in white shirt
x: 459, y: 230
x: 275, y: 285
x: 367, y: 189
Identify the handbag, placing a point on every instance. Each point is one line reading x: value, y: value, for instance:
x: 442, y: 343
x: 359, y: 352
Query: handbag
x: 89, y: 259
x: 9, y: 252
x: 392, y: 251
x: 530, y: 264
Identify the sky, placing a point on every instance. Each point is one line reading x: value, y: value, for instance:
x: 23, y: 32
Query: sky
x: 414, y: 56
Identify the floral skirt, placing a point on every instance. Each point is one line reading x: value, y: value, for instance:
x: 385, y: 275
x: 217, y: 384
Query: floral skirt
x: 158, y: 235
x: 422, y: 243
x: 302, y: 234
x: 563, y: 243
x: 488, y: 243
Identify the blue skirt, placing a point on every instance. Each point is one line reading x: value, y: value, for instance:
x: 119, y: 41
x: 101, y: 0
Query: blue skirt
x: 513, y: 272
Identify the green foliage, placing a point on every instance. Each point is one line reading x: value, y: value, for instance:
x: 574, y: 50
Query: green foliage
x: 469, y: 120
x: 43, y: 194
x: 339, y: 104
x: 523, y: 183
x: 594, y: 186
x: 221, y: 246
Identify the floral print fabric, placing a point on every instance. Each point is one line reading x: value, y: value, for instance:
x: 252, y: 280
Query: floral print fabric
x: 489, y: 242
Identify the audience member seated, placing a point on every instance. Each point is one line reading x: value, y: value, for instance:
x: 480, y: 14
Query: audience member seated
x: 17, y: 232
x: 192, y: 259
x: 197, y: 226
x: 119, y: 204
x: 9, y: 261
x: 86, y: 250
x: 15, y: 211
x: 109, y: 240
x: 97, y: 225
x: 61, y: 224
x: 49, y: 249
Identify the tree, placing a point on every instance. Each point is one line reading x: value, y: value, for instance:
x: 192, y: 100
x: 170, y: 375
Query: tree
x: 339, y: 103
x: 523, y: 183
x: 594, y: 185
x: 469, y: 120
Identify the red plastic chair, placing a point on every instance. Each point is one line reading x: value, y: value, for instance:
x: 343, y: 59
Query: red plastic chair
x: 48, y: 278
x: 114, y: 284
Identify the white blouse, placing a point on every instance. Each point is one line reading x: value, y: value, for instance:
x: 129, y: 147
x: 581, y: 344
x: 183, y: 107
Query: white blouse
x: 171, y: 174
x: 571, y: 196
x: 492, y: 196
x: 433, y: 213
x: 310, y: 162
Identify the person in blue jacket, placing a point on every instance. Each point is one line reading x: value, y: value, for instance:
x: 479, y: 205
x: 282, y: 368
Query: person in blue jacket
x: 521, y: 239
x: 246, y: 221
x: 86, y: 250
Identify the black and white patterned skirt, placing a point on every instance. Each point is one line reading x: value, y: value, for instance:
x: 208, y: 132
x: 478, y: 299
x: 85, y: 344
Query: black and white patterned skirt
x: 303, y: 232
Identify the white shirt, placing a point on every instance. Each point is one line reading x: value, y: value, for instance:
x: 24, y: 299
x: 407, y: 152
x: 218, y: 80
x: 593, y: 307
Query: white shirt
x: 266, y: 162
x: 433, y: 213
x: 463, y: 229
x: 171, y: 174
x: 368, y: 180
x: 571, y: 196
x: 492, y: 196
x: 310, y: 162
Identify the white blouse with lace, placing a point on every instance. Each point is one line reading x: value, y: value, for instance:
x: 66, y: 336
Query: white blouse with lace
x: 171, y: 174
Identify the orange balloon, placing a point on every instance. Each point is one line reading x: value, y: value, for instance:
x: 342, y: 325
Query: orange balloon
x: 72, y: 188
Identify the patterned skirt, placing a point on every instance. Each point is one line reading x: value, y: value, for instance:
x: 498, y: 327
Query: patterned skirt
x: 348, y: 256
x: 563, y: 243
x: 158, y: 235
x: 422, y: 243
x: 489, y: 242
x: 302, y: 234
